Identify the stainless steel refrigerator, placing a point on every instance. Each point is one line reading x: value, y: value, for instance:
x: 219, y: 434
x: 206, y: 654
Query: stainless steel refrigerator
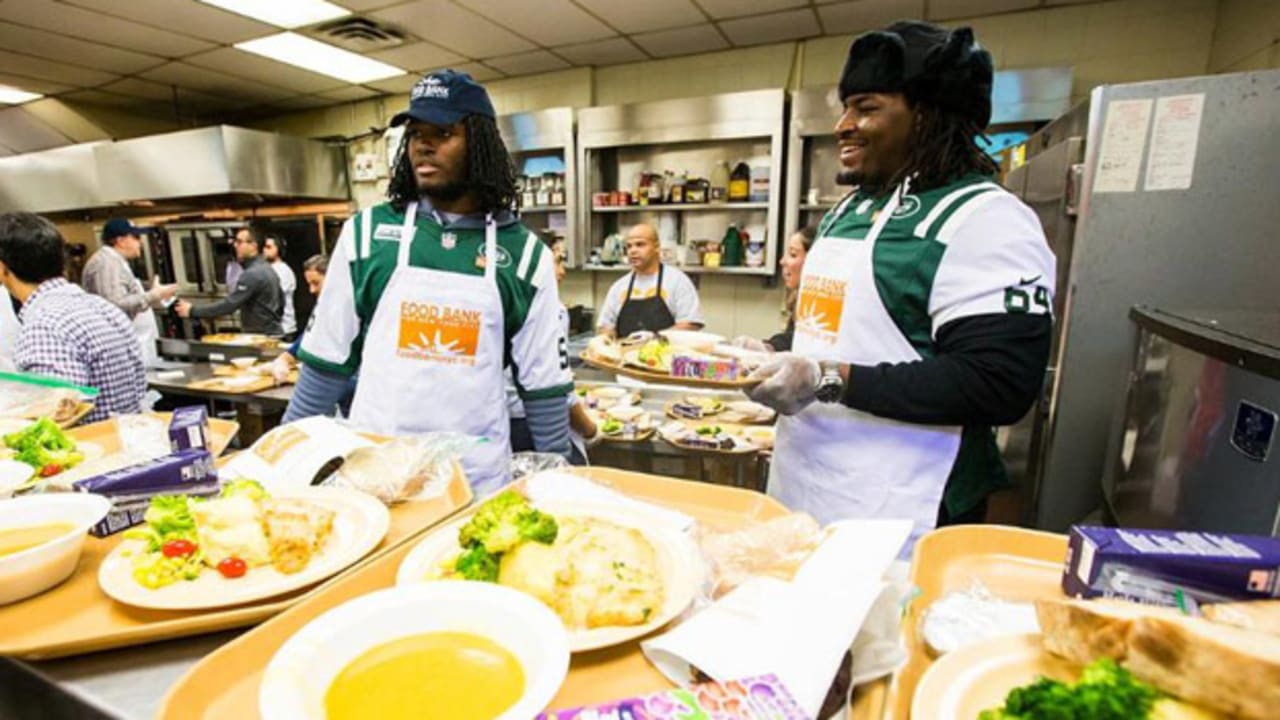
x: 1162, y: 194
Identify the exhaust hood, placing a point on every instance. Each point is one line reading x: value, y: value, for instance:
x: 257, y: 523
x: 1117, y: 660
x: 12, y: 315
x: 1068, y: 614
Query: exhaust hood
x: 228, y: 165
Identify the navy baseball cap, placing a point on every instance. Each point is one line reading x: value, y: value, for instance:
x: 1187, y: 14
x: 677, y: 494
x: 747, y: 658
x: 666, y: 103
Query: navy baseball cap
x: 445, y: 97
x: 119, y: 227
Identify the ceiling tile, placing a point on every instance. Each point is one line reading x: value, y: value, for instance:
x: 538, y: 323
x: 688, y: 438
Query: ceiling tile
x: 774, y: 27
x: 245, y: 64
x: 601, y: 52
x: 42, y: 69
x: 479, y: 71
x: 737, y: 8
x: 417, y: 56
x: 185, y: 16
x: 953, y: 9
x: 98, y: 97
x: 145, y: 89
x: 99, y: 28
x: 44, y: 87
x: 454, y: 28
x: 527, y: 63
x: 349, y: 93
x: 682, y: 41
x: 547, y: 22
x: 40, y: 43
x: 215, y: 83
x: 397, y: 85
x: 851, y: 17
x: 362, y: 5
x: 630, y: 16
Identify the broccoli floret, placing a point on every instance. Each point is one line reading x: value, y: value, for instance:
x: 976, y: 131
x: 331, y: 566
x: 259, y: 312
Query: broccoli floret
x: 251, y: 489
x: 1105, y: 691
x: 505, y: 521
x: 43, y: 444
x: 477, y: 564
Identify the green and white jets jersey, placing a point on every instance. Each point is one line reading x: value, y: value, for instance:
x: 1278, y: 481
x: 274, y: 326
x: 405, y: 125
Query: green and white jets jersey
x: 365, y: 258
x: 966, y: 249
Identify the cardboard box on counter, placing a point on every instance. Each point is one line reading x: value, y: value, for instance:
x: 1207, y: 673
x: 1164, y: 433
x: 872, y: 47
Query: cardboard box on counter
x: 130, y: 489
x: 189, y: 428
x: 1170, y: 567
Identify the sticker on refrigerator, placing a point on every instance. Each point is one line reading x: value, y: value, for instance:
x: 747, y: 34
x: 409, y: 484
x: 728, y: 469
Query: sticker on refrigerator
x: 1252, y: 433
x: 1175, y: 133
x: 1124, y: 138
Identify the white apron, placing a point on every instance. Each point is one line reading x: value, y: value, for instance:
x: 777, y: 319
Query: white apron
x: 432, y: 359
x: 144, y: 324
x: 835, y: 462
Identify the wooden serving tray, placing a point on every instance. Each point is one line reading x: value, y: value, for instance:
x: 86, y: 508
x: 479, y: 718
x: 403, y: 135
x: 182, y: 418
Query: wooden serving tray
x: 225, y: 683
x: 219, y: 384
x: 1015, y: 564
x: 661, y: 378
x: 76, y: 617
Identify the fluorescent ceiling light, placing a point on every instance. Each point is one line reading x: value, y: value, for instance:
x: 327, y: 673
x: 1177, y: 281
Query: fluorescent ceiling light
x: 319, y: 57
x: 13, y: 96
x: 283, y: 13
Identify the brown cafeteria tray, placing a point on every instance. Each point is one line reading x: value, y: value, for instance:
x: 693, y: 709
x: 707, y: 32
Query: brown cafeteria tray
x: 76, y: 617
x: 636, y: 373
x: 219, y: 384
x: 1015, y: 564
x: 225, y: 683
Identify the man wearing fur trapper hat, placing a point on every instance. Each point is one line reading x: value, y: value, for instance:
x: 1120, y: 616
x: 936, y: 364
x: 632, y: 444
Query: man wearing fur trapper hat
x: 923, y: 319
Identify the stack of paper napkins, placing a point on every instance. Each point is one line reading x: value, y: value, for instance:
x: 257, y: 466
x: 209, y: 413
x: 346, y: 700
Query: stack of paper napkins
x: 798, y: 630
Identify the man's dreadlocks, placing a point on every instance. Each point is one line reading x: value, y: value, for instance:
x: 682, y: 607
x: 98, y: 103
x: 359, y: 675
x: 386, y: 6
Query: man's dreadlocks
x: 944, y: 147
x: 491, y: 174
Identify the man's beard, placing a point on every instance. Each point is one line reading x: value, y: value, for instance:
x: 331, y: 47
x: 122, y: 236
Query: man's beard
x: 848, y: 178
x: 447, y: 192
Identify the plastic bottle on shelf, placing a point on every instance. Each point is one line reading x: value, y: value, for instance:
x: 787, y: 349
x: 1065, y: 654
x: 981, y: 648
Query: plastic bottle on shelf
x: 740, y: 183
x: 719, y: 183
x: 677, y: 187
x: 731, y: 248
x: 755, y: 248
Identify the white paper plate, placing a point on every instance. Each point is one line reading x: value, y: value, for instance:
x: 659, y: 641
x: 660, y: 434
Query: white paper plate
x: 298, y: 677
x: 679, y: 566
x: 360, y: 524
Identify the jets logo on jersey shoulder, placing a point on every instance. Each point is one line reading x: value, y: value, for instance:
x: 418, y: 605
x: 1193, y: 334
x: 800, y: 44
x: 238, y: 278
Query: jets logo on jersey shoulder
x: 504, y: 257
x: 908, y: 206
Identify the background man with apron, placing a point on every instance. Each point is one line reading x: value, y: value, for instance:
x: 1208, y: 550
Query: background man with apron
x: 923, y: 317
x: 652, y: 296
x: 109, y: 275
x: 430, y: 295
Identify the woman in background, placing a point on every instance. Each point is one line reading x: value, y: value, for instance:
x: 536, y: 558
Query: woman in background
x: 313, y: 272
x: 792, y: 266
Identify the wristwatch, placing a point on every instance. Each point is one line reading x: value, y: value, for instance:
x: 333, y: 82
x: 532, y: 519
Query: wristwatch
x: 830, y: 387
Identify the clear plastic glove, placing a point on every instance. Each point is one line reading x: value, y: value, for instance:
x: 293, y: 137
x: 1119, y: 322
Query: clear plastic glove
x: 747, y: 342
x: 281, y: 367
x: 786, y: 383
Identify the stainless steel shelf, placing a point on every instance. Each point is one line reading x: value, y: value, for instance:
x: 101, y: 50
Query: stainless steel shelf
x: 543, y: 209
x: 689, y: 269
x: 686, y: 207
x: 819, y: 206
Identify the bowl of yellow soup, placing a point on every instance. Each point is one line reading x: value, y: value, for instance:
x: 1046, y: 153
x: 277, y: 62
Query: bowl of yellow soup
x: 41, y: 537
x: 450, y: 650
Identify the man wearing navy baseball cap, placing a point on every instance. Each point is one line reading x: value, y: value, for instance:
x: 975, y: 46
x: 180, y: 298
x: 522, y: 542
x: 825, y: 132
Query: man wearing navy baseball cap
x: 109, y: 274
x: 432, y: 293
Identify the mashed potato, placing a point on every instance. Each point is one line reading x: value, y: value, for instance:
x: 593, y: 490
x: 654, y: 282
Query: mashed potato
x: 595, y: 574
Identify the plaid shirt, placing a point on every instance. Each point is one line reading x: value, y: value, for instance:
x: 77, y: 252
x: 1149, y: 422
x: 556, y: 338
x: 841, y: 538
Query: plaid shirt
x: 82, y: 338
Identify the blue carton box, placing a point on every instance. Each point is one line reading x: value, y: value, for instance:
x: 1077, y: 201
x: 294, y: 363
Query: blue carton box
x: 1170, y: 567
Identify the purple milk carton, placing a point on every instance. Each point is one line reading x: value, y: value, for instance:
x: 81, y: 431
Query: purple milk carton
x: 189, y: 428
x: 1170, y: 567
x: 130, y: 489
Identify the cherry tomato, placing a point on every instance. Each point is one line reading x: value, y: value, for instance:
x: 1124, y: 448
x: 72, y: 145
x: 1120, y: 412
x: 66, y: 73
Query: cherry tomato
x: 232, y: 567
x: 50, y: 470
x: 178, y: 548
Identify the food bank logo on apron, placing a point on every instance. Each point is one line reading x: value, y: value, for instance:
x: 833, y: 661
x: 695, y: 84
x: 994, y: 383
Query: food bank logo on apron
x: 280, y: 441
x: 819, y: 307
x: 438, y: 333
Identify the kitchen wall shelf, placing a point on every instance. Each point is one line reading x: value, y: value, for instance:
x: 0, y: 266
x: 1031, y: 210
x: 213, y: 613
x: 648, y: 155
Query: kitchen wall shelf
x: 683, y: 207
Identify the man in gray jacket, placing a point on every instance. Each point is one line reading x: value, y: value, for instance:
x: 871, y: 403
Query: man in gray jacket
x: 256, y: 295
x: 108, y: 274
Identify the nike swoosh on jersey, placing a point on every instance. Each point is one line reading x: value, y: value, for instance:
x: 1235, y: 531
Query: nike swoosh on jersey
x: 1028, y: 282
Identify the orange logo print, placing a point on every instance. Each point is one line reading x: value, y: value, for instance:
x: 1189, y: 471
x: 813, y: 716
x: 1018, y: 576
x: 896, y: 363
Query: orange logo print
x: 820, y: 305
x: 439, y: 333
x: 280, y: 441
